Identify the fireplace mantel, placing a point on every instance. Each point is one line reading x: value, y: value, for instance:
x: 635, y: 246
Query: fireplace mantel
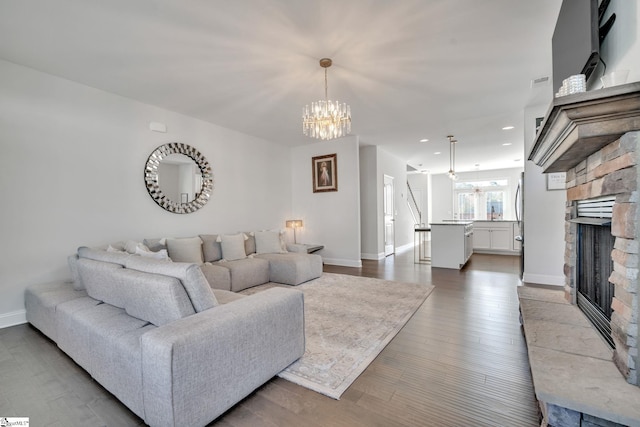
x: 578, y: 125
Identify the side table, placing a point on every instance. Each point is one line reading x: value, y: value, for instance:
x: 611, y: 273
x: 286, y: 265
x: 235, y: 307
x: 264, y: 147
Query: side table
x: 302, y: 248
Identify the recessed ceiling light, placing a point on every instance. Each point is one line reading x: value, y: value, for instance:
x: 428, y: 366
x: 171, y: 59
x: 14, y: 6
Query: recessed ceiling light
x: 437, y: 152
x: 424, y: 140
x: 507, y: 127
x: 516, y: 160
x: 507, y: 143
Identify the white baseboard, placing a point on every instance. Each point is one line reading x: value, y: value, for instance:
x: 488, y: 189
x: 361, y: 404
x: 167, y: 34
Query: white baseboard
x: 14, y: 318
x: 543, y: 279
x: 342, y: 262
x: 405, y: 247
x: 380, y: 255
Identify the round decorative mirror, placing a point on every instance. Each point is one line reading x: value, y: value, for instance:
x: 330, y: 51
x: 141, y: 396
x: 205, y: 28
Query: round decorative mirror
x: 178, y: 178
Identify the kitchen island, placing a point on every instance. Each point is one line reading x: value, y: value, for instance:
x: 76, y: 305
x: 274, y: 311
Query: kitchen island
x: 451, y: 243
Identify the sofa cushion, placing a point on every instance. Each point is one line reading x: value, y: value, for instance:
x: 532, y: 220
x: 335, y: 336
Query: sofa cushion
x: 245, y: 273
x: 191, y: 276
x: 185, y: 250
x: 119, y: 258
x: 156, y: 298
x: 225, y: 297
x: 41, y: 301
x: 233, y: 246
x: 218, y: 276
x: 211, y: 248
x: 97, y: 277
x: 293, y: 268
x: 268, y: 242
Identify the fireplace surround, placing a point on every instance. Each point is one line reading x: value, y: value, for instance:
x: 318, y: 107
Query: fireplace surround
x: 594, y: 137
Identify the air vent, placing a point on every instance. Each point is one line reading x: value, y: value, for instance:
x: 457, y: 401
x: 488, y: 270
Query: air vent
x: 596, y: 208
x: 540, y: 81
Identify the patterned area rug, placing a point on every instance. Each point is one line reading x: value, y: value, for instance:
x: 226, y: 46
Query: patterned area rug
x: 348, y: 322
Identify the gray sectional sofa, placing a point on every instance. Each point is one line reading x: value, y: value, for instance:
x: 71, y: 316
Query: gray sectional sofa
x: 169, y: 339
x: 242, y: 260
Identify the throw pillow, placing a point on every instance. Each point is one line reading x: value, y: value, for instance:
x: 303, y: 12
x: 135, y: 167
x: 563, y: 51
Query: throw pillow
x: 233, y: 246
x: 161, y: 254
x: 250, y: 243
x: 268, y: 242
x: 104, y: 256
x: 155, y: 245
x: 185, y: 250
x: 116, y: 247
x: 131, y: 246
x: 211, y: 248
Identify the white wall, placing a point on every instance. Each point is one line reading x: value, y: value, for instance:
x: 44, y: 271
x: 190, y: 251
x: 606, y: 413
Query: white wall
x: 441, y: 197
x: 370, y: 204
x: 375, y: 164
x: 71, y: 174
x: 330, y: 218
x: 543, y: 216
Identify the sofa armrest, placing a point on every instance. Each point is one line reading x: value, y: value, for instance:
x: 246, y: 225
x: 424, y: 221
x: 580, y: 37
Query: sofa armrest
x: 196, y: 368
x: 298, y: 248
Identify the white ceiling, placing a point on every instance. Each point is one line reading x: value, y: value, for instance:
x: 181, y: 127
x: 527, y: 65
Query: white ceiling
x: 410, y: 69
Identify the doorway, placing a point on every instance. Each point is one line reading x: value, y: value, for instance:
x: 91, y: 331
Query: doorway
x: 389, y: 217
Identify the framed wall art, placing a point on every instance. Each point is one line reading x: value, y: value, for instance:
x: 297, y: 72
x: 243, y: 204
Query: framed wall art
x: 325, y: 173
x: 556, y: 181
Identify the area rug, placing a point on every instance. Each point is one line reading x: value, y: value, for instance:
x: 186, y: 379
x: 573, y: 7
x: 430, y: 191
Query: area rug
x: 348, y: 322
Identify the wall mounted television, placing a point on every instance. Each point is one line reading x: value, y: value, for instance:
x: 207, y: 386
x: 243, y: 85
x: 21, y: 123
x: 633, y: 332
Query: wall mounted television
x: 576, y: 40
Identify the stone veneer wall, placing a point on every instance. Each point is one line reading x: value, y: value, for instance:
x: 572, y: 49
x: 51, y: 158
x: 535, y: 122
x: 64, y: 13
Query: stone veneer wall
x: 612, y: 171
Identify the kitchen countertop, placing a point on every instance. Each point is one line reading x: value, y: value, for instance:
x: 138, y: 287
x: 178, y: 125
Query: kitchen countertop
x: 452, y: 222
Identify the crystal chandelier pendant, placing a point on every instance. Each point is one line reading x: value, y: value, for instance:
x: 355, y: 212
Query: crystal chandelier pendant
x: 326, y: 119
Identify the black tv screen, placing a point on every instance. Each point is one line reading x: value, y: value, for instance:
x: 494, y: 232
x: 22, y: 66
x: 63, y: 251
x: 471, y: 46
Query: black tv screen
x: 575, y: 42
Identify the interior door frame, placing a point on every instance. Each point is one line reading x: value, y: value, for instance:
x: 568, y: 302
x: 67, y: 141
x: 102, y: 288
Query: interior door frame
x: 389, y: 247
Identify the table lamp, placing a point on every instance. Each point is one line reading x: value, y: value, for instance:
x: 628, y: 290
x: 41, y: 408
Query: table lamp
x: 295, y: 224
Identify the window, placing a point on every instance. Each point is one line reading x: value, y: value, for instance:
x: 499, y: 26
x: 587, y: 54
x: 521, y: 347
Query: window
x: 481, y: 200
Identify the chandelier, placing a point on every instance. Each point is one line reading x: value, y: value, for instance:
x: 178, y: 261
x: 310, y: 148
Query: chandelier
x: 452, y: 158
x: 326, y: 119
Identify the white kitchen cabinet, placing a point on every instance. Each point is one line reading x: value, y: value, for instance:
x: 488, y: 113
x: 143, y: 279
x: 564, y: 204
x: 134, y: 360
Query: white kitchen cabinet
x: 451, y: 244
x: 494, y: 237
x: 481, y: 238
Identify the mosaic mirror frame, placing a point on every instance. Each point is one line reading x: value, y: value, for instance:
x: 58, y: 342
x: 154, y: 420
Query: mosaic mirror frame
x: 151, y: 178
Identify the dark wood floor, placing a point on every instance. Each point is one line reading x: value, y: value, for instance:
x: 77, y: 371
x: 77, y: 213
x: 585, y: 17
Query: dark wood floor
x: 460, y: 361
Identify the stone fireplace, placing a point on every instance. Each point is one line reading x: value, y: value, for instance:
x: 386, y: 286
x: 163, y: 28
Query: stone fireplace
x: 595, y: 138
x: 611, y: 171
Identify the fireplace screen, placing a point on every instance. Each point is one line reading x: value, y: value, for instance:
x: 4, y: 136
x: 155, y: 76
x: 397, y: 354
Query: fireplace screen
x: 595, y: 292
